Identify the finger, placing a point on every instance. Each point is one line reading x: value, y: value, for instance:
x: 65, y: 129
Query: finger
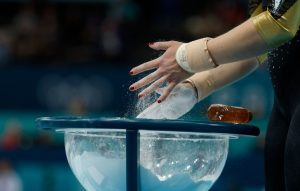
x: 145, y: 67
x: 153, y: 86
x: 145, y: 81
x: 166, y: 92
x: 161, y: 45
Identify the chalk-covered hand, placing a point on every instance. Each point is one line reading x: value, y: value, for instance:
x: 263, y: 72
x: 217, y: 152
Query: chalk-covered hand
x: 166, y: 70
x: 180, y: 101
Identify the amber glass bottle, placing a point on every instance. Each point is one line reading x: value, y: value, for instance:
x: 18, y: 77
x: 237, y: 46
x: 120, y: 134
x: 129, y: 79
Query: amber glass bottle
x: 225, y: 113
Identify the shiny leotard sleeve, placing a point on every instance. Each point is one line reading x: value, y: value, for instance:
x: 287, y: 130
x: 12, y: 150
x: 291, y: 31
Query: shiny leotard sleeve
x: 279, y: 23
x: 255, y: 9
x: 276, y: 23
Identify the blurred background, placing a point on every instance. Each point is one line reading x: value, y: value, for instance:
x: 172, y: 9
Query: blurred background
x: 72, y: 57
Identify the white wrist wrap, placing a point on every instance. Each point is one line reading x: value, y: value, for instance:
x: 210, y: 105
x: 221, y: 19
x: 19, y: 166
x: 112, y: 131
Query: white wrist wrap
x: 203, y: 82
x: 181, y: 58
x: 195, y: 56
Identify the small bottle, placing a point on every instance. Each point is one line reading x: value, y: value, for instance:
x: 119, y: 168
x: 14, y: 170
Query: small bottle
x: 232, y: 114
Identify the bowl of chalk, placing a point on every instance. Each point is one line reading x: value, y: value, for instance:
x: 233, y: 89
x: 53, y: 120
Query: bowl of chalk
x: 119, y: 154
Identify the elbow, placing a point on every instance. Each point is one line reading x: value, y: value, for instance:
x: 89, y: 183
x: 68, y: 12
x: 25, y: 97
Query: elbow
x: 242, y: 67
x: 249, y: 65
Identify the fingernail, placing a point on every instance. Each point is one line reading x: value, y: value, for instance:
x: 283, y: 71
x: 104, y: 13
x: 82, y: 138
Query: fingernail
x: 131, y: 72
x: 159, y: 101
x: 150, y: 43
x: 131, y: 88
x: 140, y: 95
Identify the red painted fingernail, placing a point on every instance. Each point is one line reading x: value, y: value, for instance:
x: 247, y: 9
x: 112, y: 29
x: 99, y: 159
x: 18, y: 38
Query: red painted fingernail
x: 150, y: 43
x: 159, y: 101
x: 140, y: 95
x: 131, y: 72
x: 131, y: 88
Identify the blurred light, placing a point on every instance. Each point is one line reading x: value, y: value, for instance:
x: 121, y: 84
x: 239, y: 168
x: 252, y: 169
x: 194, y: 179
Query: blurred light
x: 75, y: 94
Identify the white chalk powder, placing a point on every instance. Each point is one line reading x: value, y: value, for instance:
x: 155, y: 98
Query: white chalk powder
x: 180, y: 101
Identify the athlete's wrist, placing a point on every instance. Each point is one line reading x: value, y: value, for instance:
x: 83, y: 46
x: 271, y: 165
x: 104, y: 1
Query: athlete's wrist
x: 195, y: 56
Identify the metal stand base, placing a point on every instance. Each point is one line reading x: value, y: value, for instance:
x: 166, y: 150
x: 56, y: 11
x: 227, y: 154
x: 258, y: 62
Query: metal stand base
x: 132, y: 160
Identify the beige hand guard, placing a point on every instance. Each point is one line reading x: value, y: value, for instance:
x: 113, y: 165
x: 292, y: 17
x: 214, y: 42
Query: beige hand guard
x: 203, y: 83
x: 211, y: 80
x: 195, y: 57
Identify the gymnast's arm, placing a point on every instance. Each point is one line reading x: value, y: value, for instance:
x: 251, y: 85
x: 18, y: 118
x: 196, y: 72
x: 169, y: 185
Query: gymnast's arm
x: 256, y: 36
x: 212, y: 80
x: 196, y: 88
x: 280, y: 30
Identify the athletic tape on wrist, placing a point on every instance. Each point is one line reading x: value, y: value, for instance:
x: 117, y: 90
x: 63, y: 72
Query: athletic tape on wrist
x: 195, y: 56
x: 181, y: 58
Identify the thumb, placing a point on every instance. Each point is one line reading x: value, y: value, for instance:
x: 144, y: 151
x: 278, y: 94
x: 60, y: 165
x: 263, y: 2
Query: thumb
x: 161, y: 45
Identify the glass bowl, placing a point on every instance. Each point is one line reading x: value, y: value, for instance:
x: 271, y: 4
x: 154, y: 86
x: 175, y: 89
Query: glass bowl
x: 168, y: 161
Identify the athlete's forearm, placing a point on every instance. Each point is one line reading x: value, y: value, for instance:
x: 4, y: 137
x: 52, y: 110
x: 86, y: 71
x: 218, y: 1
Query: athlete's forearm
x: 258, y: 35
x: 211, y: 80
x: 242, y: 42
x: 264, y: 31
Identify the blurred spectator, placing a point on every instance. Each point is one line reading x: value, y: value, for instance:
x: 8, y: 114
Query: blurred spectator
x: 25, y: 28
x: 9, y: 180
x: 12, y: 135
x: 112, y: 31
x: 218, y: 17
x: 5, y: 42
x: 110, y: 40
